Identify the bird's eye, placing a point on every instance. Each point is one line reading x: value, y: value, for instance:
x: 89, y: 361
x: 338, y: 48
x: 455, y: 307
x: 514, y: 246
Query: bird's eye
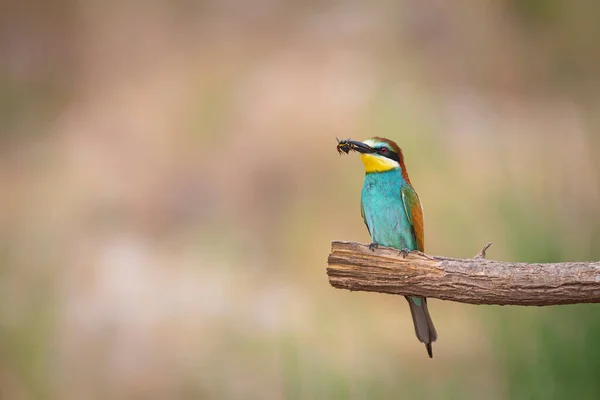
x: 383, y: 150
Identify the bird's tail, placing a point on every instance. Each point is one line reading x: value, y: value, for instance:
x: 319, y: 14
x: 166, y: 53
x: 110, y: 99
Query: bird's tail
x: 424, y: 328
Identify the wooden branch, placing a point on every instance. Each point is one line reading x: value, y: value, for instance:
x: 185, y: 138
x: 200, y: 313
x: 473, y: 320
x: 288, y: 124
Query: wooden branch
x: 354, y: 266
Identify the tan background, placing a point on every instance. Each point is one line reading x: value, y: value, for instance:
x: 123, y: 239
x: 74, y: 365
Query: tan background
x: 170, y: 187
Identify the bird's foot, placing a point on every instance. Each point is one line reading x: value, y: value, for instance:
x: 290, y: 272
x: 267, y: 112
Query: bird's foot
x: 404, y: 252
x: 373, y: 246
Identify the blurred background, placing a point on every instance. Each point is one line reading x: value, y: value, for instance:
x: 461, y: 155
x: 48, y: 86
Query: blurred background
x: 170, y: 188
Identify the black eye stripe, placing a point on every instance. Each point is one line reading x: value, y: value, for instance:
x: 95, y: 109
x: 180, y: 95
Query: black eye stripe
x: 392, y: 155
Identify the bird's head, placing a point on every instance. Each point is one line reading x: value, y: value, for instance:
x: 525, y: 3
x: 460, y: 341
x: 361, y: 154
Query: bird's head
x: 377, y: 154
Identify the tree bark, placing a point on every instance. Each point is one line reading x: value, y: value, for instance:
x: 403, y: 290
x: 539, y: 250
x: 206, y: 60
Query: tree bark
x: 354, y: 266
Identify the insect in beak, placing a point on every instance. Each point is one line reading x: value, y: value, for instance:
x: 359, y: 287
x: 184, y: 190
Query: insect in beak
x: 343, y: 146
x: 346, y: 145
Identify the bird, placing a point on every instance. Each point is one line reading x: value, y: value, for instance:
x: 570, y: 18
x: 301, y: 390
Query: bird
x: 392, y: 212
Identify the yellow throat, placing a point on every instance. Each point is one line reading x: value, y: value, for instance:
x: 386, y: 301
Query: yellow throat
x: 377, y: 163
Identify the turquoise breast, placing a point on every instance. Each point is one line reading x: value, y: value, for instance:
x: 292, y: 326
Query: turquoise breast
x: 384, y: 211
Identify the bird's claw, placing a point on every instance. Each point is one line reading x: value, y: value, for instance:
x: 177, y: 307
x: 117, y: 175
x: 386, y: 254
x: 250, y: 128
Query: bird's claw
x: 373, y: 246
x: 404, y: 252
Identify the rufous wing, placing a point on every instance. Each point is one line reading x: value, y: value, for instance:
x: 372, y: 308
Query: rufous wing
x: 414, y: 212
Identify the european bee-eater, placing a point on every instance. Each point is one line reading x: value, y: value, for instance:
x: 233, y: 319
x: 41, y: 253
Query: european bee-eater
x: 393, y: 214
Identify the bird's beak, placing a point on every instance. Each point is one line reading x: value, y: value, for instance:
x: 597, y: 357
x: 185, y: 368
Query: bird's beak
x: 361, y: 147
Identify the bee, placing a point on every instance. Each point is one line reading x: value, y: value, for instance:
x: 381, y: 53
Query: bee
x: 343, y: 146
